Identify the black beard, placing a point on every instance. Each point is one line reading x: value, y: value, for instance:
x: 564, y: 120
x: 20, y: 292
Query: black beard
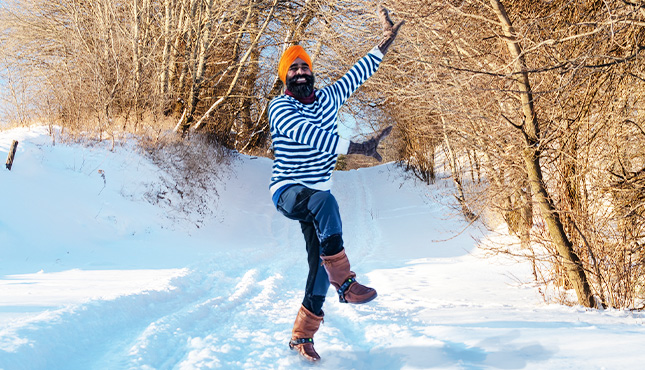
x: 301, y: 90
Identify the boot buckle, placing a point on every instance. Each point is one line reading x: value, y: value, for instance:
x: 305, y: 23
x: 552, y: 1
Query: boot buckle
x: 295, y: 342
x: 343, y: 288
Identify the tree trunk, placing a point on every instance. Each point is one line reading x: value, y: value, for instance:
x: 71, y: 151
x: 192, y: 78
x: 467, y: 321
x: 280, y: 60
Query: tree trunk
x: 136, y: 53
x: 198, y: 73
x: 165, y: 69
x: 250, y: 79
x: 179, y: 30
x: 456, y: 177
x: 188, y: 33
x: 531, y: 154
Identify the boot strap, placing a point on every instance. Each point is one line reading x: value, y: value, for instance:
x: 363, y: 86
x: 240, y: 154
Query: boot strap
x: 343, y: 288
x: 295, y: 342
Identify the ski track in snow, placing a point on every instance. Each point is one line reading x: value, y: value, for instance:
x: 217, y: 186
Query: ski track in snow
x: 232, y: 306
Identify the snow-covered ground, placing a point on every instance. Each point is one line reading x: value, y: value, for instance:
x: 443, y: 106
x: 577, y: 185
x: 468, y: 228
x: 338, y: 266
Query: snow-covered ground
x: 94, y: 276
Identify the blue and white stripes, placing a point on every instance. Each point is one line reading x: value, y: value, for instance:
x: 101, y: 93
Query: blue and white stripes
x: 305, y: 136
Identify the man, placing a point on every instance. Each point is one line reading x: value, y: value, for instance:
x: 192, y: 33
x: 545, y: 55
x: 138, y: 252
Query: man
x: 306, y: 146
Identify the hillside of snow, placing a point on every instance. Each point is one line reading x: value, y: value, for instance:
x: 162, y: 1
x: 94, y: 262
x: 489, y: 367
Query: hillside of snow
x: 96, y: 274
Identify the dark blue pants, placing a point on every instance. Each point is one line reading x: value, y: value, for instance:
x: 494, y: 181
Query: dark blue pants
x: 321, y: 226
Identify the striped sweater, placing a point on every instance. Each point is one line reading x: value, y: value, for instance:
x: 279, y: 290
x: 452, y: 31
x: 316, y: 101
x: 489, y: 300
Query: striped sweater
x: 305, y: 137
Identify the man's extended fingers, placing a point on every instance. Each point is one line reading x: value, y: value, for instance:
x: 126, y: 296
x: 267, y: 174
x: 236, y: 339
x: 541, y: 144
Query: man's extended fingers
x: 385, y: 133
x: 396, y: 27
x: 385, y: 18
x: 388, y: 25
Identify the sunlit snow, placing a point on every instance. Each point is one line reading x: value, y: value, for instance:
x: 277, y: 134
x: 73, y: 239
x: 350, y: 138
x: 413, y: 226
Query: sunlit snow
x: 95, y: 275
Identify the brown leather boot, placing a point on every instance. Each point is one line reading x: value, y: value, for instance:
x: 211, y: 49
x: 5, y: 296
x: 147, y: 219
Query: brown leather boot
x: 302, y: 335
x: 348, y: 289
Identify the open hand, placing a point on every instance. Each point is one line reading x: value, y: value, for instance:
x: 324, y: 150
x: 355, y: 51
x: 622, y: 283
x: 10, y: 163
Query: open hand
x: 369, y: 147
x: 390, y: 30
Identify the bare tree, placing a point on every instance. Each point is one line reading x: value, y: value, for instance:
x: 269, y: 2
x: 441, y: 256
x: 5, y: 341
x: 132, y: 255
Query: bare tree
x: 531, y: 97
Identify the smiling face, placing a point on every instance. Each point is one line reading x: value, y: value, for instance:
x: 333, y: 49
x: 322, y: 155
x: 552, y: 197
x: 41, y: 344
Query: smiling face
x: 298, y: 67
x: 300, y: 79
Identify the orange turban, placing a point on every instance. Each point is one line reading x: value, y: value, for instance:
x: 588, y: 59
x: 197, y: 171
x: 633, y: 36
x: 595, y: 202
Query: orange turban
x: 294, y: 52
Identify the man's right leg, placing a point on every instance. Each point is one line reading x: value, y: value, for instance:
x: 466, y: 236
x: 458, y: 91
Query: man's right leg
x: 317, y: 279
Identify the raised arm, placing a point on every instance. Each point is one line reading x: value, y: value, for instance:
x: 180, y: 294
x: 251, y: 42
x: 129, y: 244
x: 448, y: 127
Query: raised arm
x: 366, y: 66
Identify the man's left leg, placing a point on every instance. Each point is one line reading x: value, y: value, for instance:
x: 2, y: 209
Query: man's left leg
x: 326, y: 213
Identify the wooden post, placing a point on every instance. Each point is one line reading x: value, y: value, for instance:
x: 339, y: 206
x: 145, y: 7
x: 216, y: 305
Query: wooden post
x: 12, y: 153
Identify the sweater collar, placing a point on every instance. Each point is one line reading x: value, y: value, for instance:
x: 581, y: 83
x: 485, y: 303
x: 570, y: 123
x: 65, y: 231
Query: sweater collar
x: 307, y: 100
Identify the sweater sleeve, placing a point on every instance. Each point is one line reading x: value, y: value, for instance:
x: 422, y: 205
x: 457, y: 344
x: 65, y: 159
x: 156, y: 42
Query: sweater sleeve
x: 356, y: 76
x: 286, y: 120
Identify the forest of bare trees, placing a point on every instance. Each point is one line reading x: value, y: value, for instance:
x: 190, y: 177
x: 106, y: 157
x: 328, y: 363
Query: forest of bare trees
x: 533, y: 107
x: 188, y: 65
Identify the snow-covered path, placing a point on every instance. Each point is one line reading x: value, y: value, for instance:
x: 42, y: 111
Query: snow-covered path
x: 94, y: 277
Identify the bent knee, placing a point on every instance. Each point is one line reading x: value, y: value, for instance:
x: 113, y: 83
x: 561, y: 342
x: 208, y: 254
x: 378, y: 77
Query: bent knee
x: 323, y: 200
